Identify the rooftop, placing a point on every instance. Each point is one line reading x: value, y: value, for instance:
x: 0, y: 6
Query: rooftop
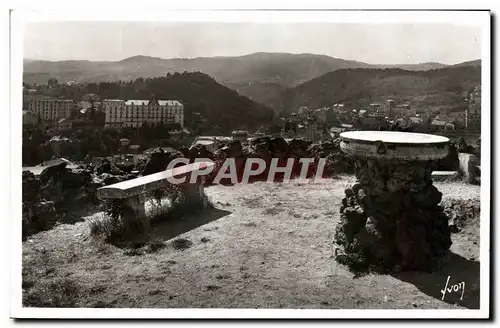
x: 440, y: 123
x: 140, y: 102
x: 137, y: 102
x: 346, y: 125
x: 169, y: 103
x: 40, y: 97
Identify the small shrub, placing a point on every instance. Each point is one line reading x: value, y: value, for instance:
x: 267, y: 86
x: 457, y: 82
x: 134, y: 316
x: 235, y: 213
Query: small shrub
x: 154, y: 246
x: 272, y: 210
x: 115, y: 208
x: 112, y: 229
x: 133, y: 252
x: 181, y: 243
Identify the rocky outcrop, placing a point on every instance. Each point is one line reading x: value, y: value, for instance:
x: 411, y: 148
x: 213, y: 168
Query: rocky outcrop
x: 158, y: 161
x: 31, y: 187
x: 37, y: 217
x: 37, y: 213
x: 298, y: 148
x: 109, y: 166
x: 60, y: 189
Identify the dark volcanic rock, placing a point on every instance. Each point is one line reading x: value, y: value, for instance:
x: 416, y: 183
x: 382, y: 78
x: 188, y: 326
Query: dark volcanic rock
x: 158, y: 161
x: 76, y: 178
x: 323, y: 149
x: 199, y: 151
x: 53, y: 171
x: 31, y: 187
x: 38, y: 216
x: 278, y: 147
x: 185, y: 151
x: 108, y: 166
x: 298, y: 148
x: 233, y: 149
x: 126, y: 167
x: 109, y: 179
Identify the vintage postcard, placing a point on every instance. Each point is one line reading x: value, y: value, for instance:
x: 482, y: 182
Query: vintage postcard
x: 251, y: 164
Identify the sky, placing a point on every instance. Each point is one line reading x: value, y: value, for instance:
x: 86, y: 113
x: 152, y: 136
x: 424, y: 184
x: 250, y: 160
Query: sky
x: 370, y: 43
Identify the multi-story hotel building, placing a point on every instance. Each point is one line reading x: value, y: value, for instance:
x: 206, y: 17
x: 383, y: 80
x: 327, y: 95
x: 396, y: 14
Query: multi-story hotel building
x: 50, y: 109
x: 133, y: 113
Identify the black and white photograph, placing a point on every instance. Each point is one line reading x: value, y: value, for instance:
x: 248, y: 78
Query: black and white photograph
x: 193, y: 164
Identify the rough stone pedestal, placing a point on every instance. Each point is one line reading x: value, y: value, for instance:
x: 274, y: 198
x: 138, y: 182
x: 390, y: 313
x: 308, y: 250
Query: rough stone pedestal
x: 390, y: 219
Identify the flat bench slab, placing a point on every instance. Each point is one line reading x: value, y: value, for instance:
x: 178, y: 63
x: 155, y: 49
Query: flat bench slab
x: 443, y: 173
x: 141, y: 185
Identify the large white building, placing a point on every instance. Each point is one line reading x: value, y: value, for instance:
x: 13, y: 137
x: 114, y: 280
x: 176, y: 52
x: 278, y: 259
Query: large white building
x: 133, y: 113
x: 50, y: 109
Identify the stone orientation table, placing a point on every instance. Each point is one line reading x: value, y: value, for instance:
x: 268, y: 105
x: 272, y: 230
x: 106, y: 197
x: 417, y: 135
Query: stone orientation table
x: 390, y: 219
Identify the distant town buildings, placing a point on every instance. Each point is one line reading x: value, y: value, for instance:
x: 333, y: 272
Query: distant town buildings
x: 441, y: 126
x: 313, y: 129
x: 64, y: 124
x: 30, y: 118
x: 295, y: 118
x: 415, y: 120
x: 303, y: 111
x: 88, y: 101
x: 390, y: 107
x: 133, y: 113
x: 403, y: 110
x: 50, y: 109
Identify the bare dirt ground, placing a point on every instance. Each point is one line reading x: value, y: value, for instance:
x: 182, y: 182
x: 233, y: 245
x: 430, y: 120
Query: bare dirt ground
x: 264, y: 245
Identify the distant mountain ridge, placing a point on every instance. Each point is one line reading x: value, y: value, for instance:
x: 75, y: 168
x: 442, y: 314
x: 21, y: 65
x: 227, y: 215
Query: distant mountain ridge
x: 261, y: 76
x: 284, y: 68
x: 444, y: 88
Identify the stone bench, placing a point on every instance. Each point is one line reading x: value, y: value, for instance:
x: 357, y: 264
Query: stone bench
x: 133, y: 191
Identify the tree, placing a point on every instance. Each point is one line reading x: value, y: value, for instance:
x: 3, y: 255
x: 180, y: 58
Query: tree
x: 92, y: 88
x: 52, y: 82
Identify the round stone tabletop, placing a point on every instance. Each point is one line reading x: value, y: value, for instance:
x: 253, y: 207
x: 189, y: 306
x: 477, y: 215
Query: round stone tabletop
x: 407, y: 146
x: 394, y: 137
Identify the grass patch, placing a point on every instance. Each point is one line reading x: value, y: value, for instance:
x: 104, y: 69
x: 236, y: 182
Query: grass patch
x: 251, y: 202
x: 116, y: 230
x: 154, y: 246
x: 181, y: 244
x: 58, y: 293
x: 272, y: 210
